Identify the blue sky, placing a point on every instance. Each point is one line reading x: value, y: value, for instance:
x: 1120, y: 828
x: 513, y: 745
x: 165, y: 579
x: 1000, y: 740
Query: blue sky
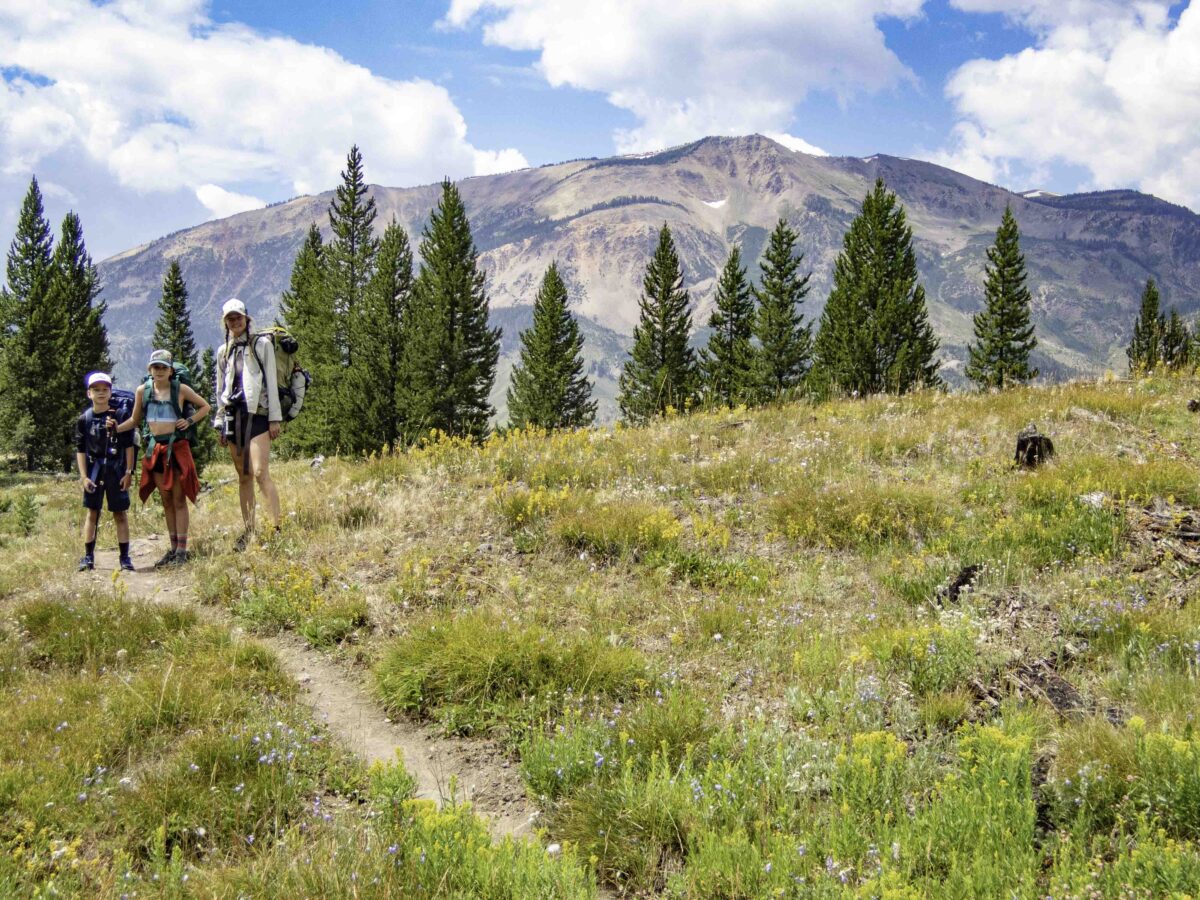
x: 146, y: 116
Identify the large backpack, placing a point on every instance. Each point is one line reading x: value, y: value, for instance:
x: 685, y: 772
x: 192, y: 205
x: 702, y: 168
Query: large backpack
x: 292, y: 380
x: 184, y: 410
x: 121, y: 402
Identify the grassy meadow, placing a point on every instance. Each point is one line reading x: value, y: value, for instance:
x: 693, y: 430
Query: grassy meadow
x: 844, y: 650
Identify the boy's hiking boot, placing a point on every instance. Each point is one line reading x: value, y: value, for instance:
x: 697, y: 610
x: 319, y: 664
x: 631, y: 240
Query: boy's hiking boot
x: 87, y: 563
x: 179, y: 559
x: 167, y: 559
x: 127, y: 564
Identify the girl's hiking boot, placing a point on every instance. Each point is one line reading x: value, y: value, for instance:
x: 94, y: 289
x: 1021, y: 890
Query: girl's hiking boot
x: 168, y: 559
x: 127, y: 564
x: 180, y: 557
x: 87, y: 563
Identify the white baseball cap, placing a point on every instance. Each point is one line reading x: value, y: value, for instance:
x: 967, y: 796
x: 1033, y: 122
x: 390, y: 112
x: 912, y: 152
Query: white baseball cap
x: 99, y: 378
x: 233, y: 305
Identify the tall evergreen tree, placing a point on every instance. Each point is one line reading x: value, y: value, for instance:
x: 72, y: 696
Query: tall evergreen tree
x: 875, y: 334
x: 34, y: 381
x: 373, y: 380
x: 1146, y: 346
x: 661, y: 371
x: 350, y: 257
x: 727, y: 362
x: 1003, y: 332
x: 450, y: 353
x: 206, y: 380
x: 1175, y: 349
x: 306, y: 308
x: 784, y: 339
x: 75, y: 285
x: 549, y: 389
x: 173, y: 328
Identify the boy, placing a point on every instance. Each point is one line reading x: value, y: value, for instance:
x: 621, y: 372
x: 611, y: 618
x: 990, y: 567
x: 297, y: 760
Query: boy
x: 105, y: 468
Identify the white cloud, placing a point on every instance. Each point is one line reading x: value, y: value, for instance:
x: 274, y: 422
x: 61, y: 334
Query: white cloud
x: 165, y: 100
x: 222, y: 203
x: 1111, y: 87
x: 685, y: 70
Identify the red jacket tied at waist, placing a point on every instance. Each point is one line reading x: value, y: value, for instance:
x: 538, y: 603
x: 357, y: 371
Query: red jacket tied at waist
x: 181, y: 466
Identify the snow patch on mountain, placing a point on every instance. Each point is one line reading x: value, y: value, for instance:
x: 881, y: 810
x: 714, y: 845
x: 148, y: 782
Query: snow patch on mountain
x: 716, y: 204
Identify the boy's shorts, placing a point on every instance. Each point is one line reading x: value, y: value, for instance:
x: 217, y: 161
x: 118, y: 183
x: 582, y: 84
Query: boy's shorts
x: 118, y: 500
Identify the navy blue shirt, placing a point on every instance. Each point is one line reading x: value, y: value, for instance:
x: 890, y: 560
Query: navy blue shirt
x: 95, y: 442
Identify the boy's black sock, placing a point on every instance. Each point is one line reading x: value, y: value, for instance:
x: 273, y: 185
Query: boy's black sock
x: 124, y: 548
x: 90, y: 547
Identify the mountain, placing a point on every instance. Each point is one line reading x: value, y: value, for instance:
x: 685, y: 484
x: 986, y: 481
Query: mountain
x: 1088, y: 255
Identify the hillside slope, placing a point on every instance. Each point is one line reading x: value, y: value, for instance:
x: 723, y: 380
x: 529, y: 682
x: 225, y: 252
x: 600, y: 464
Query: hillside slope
x: 836, y: 650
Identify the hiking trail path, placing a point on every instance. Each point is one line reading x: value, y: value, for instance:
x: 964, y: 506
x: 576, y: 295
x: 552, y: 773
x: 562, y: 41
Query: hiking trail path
x: 481, y: 772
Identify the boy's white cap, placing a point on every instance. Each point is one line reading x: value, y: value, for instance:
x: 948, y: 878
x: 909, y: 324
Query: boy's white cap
x: 233, y: 305
x: 99, y: 378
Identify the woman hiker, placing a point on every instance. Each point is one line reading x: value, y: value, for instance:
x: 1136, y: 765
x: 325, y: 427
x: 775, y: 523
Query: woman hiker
x: 248, y: 411
x: 168, y: 466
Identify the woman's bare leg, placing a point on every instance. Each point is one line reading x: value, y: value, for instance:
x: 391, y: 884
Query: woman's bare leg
x: 260, y: 465
x: 245, y: 487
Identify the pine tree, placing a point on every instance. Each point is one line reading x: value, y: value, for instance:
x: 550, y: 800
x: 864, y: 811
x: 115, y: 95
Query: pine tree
x: 1174, y: 349
x: 875, y: 334
x: 450, y: 353
x: 1003, y: 332
x: 35, y: 382
x: 75, y: 284
x: 373, y: 388
x: 206, y: 382
x: 1145, y: 347
x: 173, y: 328
x: 306, y: 309
x: 549, y: 389
x: 661, y: 371
x: 350, y: 256
x: 727, y: 362
x: 784, y: 340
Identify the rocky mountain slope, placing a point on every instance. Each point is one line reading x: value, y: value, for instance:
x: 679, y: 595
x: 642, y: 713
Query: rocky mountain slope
x: 1088, y: 254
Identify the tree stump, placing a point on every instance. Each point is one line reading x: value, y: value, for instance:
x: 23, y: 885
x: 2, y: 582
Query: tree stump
x: 1033, y: 448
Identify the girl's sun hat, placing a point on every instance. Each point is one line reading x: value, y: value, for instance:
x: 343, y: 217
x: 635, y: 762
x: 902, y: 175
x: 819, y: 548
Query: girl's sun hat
x: 161, y: 358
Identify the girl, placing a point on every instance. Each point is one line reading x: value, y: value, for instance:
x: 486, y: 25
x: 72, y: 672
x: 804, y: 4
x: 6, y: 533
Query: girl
x: 168, y: 466
x: 248, y: 411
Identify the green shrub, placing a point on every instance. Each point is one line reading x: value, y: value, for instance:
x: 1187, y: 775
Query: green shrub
x: 618, y: 529
x: 95, y: 631
x: 930, y: 658
x: 581, y: 749
x: 860, y: 515
x: 471, y: 668
x: 322, y: 611
x: 975, y: 836
x: 429, y: 853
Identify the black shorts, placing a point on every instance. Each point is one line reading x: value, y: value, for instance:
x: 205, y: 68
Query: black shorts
x: 252, y: 425
x: 118, y: 500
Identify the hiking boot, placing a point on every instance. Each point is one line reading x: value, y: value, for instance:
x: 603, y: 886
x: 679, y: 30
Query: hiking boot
x: 242, y: 542
x: 127, y: 564
x: 180, y: 557
x: 87, y: 563
x: 166, y: 560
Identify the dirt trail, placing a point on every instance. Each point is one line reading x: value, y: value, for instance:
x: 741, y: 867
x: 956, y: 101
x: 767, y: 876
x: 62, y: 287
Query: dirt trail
x: 480, y: 772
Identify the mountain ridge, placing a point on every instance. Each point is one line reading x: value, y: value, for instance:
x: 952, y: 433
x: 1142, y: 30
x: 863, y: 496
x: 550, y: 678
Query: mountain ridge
x: 1088, y: 254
